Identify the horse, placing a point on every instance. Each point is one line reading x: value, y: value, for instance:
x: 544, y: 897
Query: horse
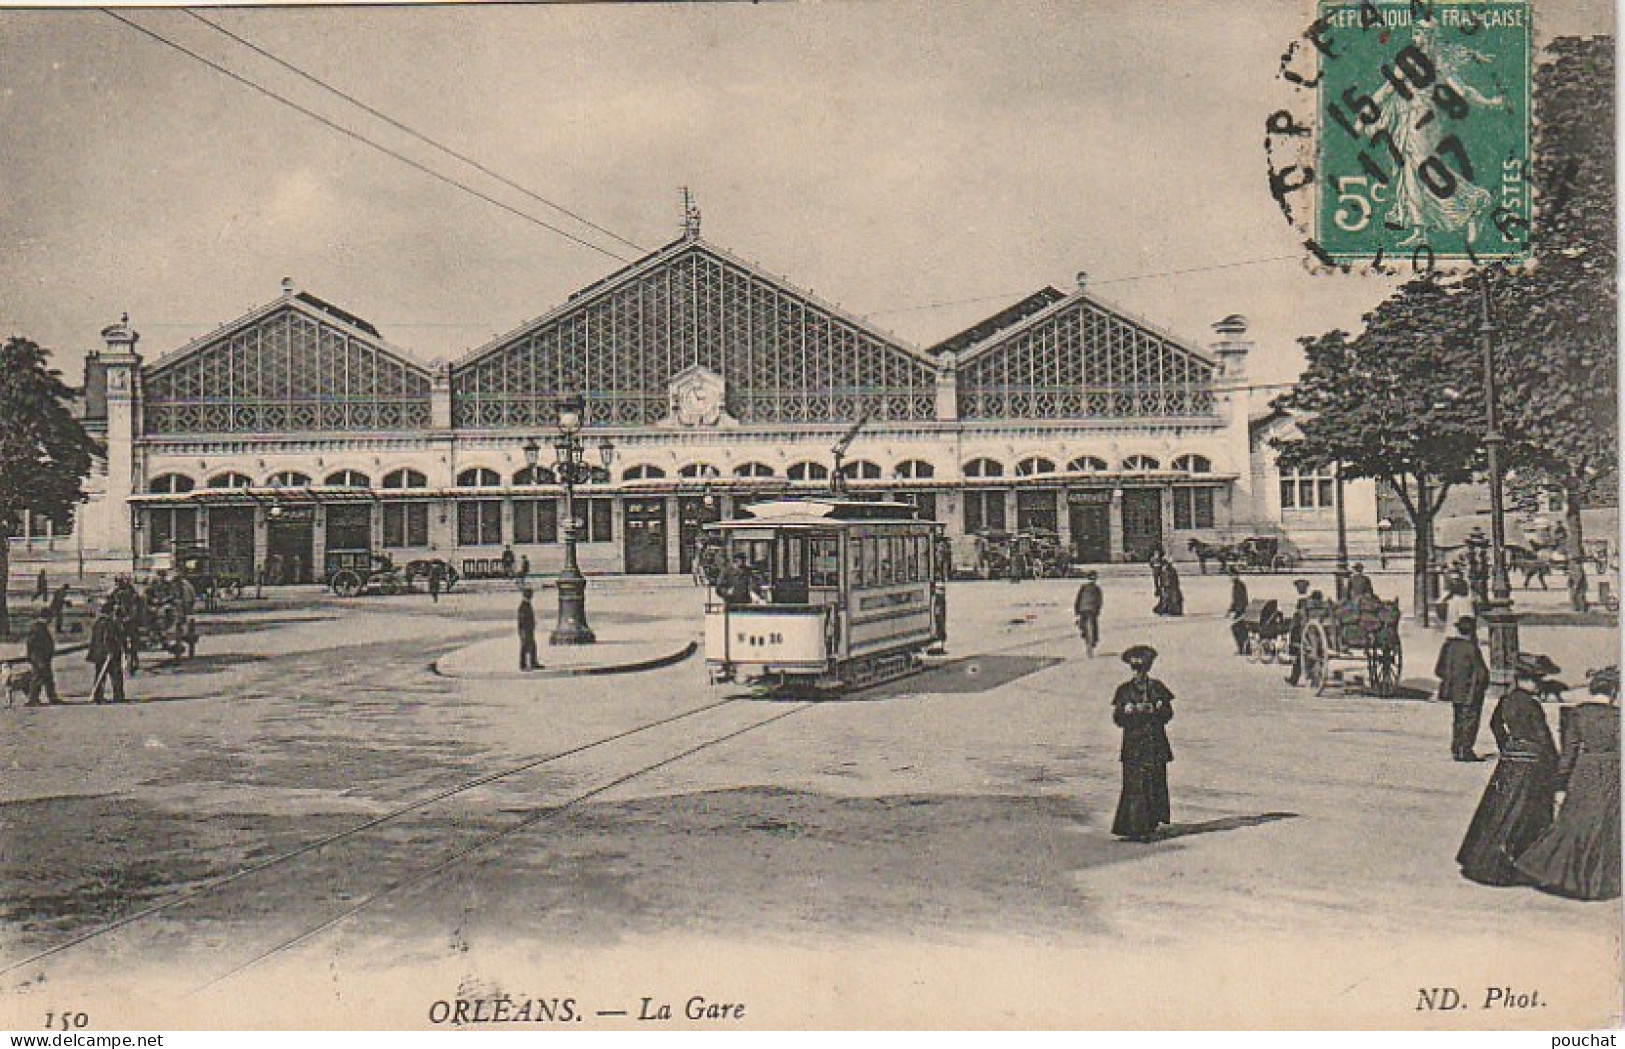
x: 1223, y: 553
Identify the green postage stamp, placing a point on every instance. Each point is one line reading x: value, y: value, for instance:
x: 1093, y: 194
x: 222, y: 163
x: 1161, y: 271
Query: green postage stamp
x: 1423, y: 118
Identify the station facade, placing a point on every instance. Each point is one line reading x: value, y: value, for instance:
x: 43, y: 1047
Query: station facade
x: 297, y: 436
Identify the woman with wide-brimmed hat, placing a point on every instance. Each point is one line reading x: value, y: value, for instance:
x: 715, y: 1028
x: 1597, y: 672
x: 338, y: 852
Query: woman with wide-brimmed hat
x: 1141, y: 708
x: 1579, y: 855
x: 1516, y: 808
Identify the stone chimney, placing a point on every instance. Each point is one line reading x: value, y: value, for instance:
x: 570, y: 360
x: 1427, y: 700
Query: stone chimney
x: 1232, y: 346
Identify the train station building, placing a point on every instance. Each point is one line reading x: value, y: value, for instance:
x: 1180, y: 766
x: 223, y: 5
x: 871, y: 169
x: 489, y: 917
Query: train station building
x: 299, y: 435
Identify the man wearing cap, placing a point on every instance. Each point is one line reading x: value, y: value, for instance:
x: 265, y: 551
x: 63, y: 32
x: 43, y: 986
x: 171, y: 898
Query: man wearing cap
x: 1086, y: 607
x: 1142, y: 707
x: 527, y: 632
x: 1463, y: 679
x: 734, y: 584
x: 1360, y: 588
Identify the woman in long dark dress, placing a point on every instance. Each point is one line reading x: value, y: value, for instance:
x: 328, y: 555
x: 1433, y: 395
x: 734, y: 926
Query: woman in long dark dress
x: 1141, y: 708
x: 1173, y: 597
x: 1579, y: 856
x: 1517, y: 805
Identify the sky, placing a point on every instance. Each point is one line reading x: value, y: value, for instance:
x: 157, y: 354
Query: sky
x: 891, y: 157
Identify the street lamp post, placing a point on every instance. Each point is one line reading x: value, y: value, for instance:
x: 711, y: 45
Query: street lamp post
x: 1503, y: 621
x: 572, y: 627
x: 1342, y: 540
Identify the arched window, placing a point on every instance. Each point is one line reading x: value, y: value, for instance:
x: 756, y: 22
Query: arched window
x: 984, y: 468
x: 479, y: 477
x: 807, y: 471
x: 1087, y: 464
x: 861, y: 469
x: 642, y: 472
x: 753, y: 470
x: 348, y: 479
x: 1194, y: 464
x: 405, y: 478
x: 231, y: 479
x: 914, y: 469
x: 531, y: 475
x: 1141, y: 462
x: 170, y: 484
x: 1034, y: 465
x: 289, y: 479
x: 699, y: 470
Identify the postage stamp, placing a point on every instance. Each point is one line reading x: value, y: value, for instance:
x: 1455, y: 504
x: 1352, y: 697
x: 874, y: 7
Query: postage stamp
x: 1424, y: 130
x: 1416, y: 147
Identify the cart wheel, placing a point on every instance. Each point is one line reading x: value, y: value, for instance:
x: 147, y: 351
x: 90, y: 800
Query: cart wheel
x: 1316, y: 658
x: 346, y: 584
x: 391, y: 587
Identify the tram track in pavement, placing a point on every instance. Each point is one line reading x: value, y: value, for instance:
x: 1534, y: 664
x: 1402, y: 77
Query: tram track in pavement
x: 270, y: 863
x: 211, y: 891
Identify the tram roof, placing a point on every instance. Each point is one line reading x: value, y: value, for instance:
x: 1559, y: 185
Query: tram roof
x: 820, y: 512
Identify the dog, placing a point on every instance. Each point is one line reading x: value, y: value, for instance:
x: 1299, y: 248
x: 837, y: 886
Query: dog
x: 19, y: 682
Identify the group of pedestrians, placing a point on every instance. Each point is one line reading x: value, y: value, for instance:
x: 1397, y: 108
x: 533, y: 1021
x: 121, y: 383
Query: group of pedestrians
x: 124, y: 614
x: 1521, y: 834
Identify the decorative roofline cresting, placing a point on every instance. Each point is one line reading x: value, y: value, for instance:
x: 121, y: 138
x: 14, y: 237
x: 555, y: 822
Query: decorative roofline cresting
x: 655, y: 343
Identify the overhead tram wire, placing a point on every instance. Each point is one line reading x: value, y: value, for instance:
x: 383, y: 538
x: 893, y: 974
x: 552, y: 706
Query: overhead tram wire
x: 399, y: 126
x: 359, y: 137
x: 1093, y: 283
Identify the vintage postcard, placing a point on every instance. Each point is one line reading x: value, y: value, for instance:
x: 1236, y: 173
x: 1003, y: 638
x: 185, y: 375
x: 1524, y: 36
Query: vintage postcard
x: 1094, y: 515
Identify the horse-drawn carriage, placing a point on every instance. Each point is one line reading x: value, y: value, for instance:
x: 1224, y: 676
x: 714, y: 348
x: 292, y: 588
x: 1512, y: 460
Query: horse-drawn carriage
x: 1353, y: 641
x: 157, y: 621
x: 1256, y: 553
x: 1266, y: 632
x: 214, y: 578
x: 423, y: 568
x: 380, y: 577
x: 1027, y: 555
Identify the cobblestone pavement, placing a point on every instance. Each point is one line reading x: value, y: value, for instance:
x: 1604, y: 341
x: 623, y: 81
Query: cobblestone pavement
x: 961, y: 811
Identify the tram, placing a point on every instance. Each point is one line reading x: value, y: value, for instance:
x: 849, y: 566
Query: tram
x: 846, y: 594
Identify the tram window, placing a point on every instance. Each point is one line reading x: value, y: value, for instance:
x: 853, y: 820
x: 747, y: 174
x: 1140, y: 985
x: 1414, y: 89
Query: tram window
x: 872, y: 557
x: 826, y: 561
x: 855, y: 548
x: 793, y: 562
x: 894, y: 559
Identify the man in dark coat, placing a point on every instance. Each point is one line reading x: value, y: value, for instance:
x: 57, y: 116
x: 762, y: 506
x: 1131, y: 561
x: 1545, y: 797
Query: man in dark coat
x: 59, y: 606
x: 1238, y: 596
x: 527, y: 632
x: 1463, y: 679
x: 41, y: 650
x: 1086, y: 607
x: 437, y: 575
x: 734, y: 584
x: 42, y: 587
x: 106, y: 653
x: 1294, y: 637
x: 1142, y: 708
x: 1360, y: 584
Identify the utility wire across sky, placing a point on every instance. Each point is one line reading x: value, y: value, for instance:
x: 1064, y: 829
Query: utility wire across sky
x: 359, y: 137
x: 420, y: 136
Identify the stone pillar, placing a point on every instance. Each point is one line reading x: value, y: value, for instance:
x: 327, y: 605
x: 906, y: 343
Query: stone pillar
x: 1235, y: 406
x: 440, y: 398
x: 1114, y: 526
x: 123, y: 370
x: 1167, y: 494
x: 947, y: 388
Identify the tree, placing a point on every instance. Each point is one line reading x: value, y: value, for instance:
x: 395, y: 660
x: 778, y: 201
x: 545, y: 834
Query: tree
x: 1400, y: 403
x: 1557, y: 324
x: 45, y: 454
